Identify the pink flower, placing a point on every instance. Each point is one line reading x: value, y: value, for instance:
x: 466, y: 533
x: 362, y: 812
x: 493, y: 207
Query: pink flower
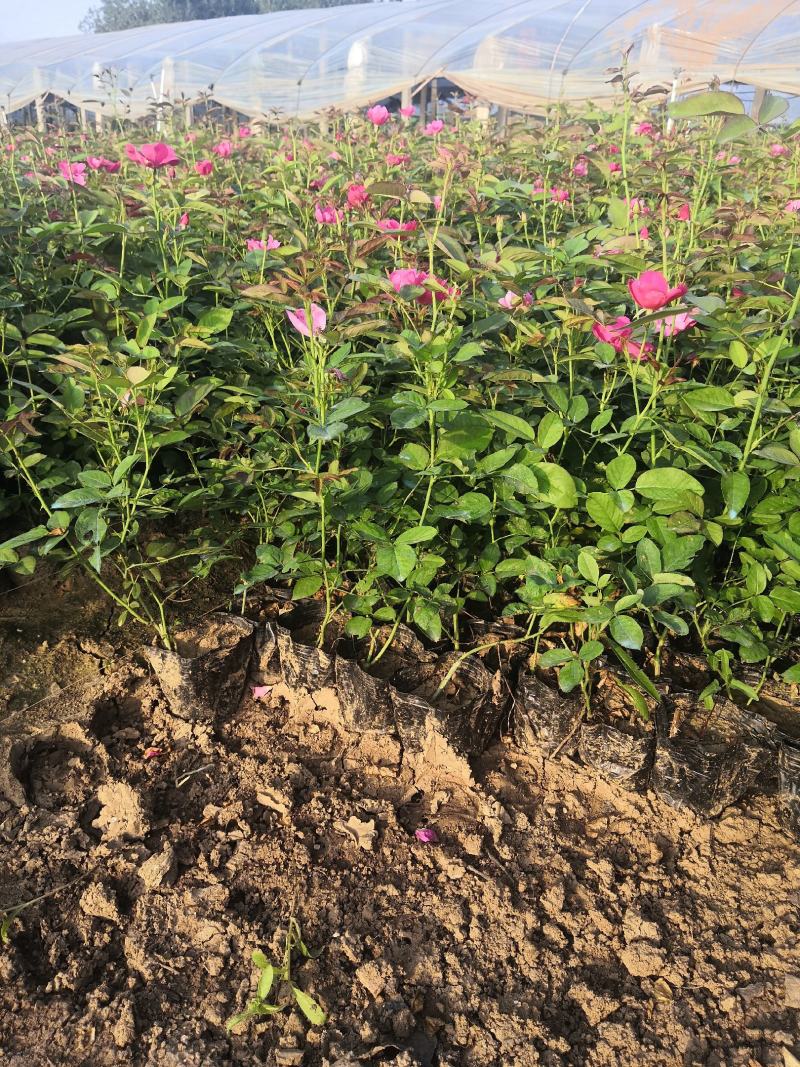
x: 559, y: 196
x: 394, y: 160
x: 511, y: 300
x: 675, y: 324
x: 407, y: 112
x: 437, y: 203
x: 378, y: 115
x: 644, y: 233
x: 245, y: 132
x: 334, y: 157
x: 153, y: 156
x: 101, y: 163
x: 792, y: 206
x: 776, y: 150
x: 190, y: 137
x: 183, y: 221
x: 737, y: 292
x: 615, y: 168
x: 204, y: 167
x: 643, y: 129
x: 613, y: 149
x: 637, y: 206
x: 409, y: 276
x: 684, y: 213
x: 538, y: 185
x: 433, y: 128
x: 395, y: 226
x: 357, y: 195
x: 615, y: 333
x: 73, y: 172
x: 223, y: 149
x: 327, y: 215
x: 652, y: 290
x: 426, y: 835
x: 581, y: 168
x: 269, y: 245
x: 299, y: 320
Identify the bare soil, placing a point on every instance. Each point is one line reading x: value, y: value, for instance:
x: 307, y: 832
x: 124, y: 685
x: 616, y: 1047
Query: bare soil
x: 557, y: 920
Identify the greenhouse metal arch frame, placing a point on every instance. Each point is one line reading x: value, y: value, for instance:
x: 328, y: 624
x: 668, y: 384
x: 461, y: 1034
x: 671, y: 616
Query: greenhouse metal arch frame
x: 522, y: 55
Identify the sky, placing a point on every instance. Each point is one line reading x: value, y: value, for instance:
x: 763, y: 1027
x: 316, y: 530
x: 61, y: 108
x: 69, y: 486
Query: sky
x: 21, y: 20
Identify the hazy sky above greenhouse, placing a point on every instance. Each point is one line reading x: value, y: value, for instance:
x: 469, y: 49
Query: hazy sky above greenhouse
x: 20, y: 20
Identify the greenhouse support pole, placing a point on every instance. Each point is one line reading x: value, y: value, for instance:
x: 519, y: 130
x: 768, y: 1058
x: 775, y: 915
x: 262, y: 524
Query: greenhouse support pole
x: 39, y: 107
x: 405, y: 97
x: 423, y: 103
x: 672, y: 98
x: 434, y: 98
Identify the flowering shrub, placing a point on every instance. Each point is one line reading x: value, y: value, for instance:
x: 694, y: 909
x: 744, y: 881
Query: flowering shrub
x: 421, y: 372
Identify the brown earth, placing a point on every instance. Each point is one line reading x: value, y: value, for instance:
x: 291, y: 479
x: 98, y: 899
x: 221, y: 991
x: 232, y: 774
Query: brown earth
x: 557, y: 920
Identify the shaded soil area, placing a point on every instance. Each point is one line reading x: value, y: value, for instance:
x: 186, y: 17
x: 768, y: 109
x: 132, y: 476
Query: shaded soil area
x: 558, y: 919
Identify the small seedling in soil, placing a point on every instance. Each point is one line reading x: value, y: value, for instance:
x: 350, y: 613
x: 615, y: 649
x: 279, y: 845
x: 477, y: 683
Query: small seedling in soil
x: 276, y: 990
x: 8, y: 916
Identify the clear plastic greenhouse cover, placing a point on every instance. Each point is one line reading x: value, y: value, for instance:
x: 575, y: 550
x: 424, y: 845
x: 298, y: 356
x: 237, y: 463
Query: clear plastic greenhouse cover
x: 516, y: 53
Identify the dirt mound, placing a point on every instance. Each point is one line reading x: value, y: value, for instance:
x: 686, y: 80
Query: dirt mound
x: 556, y: 919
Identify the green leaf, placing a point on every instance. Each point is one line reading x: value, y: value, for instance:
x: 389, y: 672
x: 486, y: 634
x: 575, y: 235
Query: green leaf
x: 426, y: 616
x: 524, y: 479
x: 709, y: 398
x: 307, y: 586
x: 309, y: 1007
x: 618, y: 213
x: 398, y: 561
x: 570, y: 676
x: 792, y: 675
x: 786, y: 598
x: 416, y: 535
x: 588, y: 566
x: 560, y: 489
x: 772, y: 107
x: 627, y: 632
x: 735, y: 491
x: 662, y: 483
x: 191, y: 397
x: 635, y: 671
x: 215, y: 320
x: 620, y: 471
x: 554, y: 657
x: 513, y: 425
x: 736, y: 128
x: 414, y: 456
x: 605, y: 511
x: 78, y: 498
x: 265, y: 981
x: 358, y: 626
x: 550, y: 430
x: 710, y: 103
x: 25, y: 538
x: 590, y: 650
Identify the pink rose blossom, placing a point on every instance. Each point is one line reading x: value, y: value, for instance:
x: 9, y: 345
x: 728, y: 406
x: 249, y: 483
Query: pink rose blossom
x: 224, y: 149
x: 644, y: 233
x: 581, y: 168
x: 395, y: 160
x: 684, y: 213
x: 245, y: 132
x: 378, y: 115
x: 357, y: 195
x: 559, y: 196
x: 183, y: 221
x: 298, y: 319
x: 434, y: 128
x: 676, y: 324
x: 792, y: 206
x: 643, y: 129
x: 327, y: 215
x: 204, y: 167
x: 395, y: 226
x: 268, y: 245
x: 776, y: 150
x: 154, y: 156
x: 73, y: 172
x: 407, y: 112
x: 651, y: 290
x: 615, y: 168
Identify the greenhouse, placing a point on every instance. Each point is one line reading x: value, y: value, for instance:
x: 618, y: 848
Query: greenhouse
x: 519, y: 54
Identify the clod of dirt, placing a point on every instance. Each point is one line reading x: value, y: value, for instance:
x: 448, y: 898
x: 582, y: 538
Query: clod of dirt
x: 544, y: 719
x: 98, y: 901
x: 596, y: 1006
x: 159, y: 868
x: 206, y: 675
x: 791, y: 991
x: 620, y: 753
x: 375, y: 976
x: 121, y: 814
x: 361, y: 831
x: 643, y: 959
